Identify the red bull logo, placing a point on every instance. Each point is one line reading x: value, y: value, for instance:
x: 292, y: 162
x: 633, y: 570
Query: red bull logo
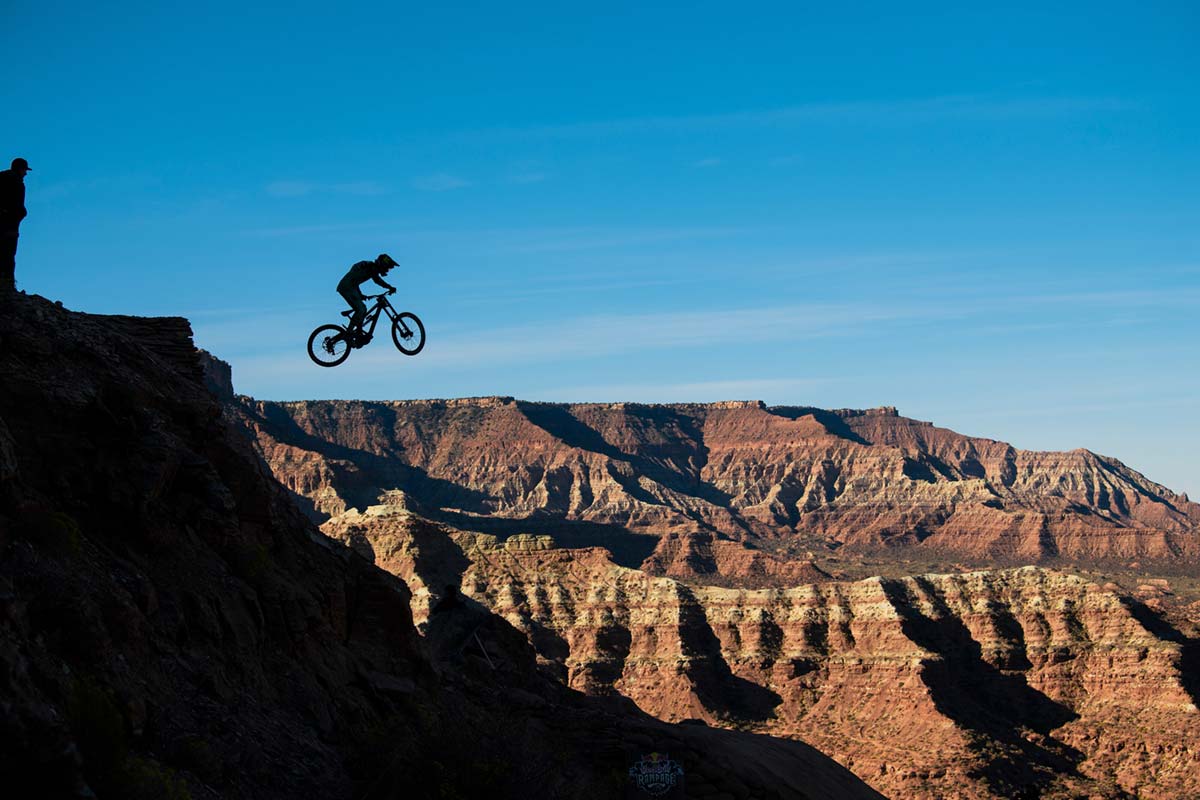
x: 656, y: 774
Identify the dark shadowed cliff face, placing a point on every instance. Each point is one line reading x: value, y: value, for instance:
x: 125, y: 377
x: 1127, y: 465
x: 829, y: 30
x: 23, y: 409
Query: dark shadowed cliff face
x: 171, y: 625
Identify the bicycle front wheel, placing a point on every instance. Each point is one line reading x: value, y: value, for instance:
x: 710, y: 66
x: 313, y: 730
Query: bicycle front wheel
x: 327, y: 346
x: 408, y: 333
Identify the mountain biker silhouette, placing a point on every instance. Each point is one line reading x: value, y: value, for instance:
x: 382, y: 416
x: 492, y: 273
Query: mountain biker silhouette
x: 330, y: 345
x: 348, y: 288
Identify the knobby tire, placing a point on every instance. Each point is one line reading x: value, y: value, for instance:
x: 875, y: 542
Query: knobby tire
x: 316, y: 346
x: 412, y: 345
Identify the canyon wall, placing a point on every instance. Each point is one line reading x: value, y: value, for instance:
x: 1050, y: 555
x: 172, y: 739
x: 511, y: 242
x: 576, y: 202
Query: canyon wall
x: 687, y: 557
x: 1014, y: 683
x: 729, y: 490
x: 172, y: 626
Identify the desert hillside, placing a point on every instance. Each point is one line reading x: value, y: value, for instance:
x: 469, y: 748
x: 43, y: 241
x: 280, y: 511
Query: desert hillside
x: 725, y: 490
x: 723, y: 562
x: 172, y: 626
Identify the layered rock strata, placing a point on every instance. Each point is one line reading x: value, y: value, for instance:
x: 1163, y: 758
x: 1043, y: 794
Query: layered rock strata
x: 1012, y: 683
x: 732, y: 492
x: 172, y: 626
x: 679, y: 556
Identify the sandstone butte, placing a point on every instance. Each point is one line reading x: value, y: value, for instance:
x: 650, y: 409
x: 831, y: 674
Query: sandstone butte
x: 173, y: 626
x: 732, y: 490
x: 699, y: 560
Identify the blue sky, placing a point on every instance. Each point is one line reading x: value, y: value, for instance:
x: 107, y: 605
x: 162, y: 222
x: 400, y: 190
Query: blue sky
x: 986, y: 218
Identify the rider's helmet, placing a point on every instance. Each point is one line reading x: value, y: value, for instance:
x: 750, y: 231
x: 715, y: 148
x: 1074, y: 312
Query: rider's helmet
x: 386, y: 262
x: 20, y: 165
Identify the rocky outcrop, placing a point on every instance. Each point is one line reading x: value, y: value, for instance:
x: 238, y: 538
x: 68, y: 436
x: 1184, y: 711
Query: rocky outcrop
x: 218, y: 375
x: 1016, y: 683
x: 157, y: 632
x: 727, y: 492
x: 681, y: 556
x: 171, y: 625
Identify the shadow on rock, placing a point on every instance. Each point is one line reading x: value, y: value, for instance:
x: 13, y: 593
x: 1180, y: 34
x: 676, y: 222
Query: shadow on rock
x: 717, y: 687
x: 1000, y: 707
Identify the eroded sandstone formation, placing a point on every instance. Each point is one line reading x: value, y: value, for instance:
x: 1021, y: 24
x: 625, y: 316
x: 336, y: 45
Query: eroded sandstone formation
x: 727, y: 491
x: 1014, y: 683
x: 172, y: 626
x: 681, y: 556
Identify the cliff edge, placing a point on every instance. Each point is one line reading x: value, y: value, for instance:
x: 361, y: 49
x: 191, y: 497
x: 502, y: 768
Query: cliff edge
x: 171, y: 625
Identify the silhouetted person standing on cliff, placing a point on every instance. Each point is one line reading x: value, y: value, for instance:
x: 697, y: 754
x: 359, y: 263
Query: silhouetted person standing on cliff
x: 12, y: 211
x: 348, y: 288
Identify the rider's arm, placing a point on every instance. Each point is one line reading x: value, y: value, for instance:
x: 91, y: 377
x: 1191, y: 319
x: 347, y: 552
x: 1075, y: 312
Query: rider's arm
x: 383, y: 283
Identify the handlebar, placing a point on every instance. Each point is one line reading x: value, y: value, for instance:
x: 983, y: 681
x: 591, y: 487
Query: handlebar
x: 375, y: 296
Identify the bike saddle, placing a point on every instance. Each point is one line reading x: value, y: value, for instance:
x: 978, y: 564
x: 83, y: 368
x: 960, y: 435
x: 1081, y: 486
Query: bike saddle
x: 347, y: 313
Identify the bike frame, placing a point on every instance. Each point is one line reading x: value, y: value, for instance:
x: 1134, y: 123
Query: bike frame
x: 409, y: 339
x: 372, y: 317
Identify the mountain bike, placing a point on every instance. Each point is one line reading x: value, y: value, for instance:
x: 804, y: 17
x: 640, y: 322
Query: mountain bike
x: 330, y: 345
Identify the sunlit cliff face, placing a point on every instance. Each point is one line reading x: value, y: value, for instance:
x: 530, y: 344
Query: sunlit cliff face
x: 688, y: 557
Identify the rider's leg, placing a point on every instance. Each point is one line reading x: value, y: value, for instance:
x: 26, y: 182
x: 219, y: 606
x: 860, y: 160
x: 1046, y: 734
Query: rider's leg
x: 354, y: 297
x: 8, y: 262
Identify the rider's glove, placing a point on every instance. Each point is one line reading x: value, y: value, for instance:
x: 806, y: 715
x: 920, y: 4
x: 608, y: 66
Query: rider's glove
x: 392, y: 290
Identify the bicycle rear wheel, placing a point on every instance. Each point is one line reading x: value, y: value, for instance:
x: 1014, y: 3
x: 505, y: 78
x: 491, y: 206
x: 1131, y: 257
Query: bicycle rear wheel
x: 327, y: 346
x: 408, y: 333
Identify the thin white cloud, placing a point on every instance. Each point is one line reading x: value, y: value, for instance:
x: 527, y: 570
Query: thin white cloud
x: 521, y: 292
x: 612, y: 334
x: 275, y: 361
x: 904, y: 112
x: 228, y: 312
x: 439, y: 182
x: 1118, y: 298
x: 263, y: 338
x: 523, y: 178
x: 1055, y: 408
x: 326, y: 227
x: 512, y: 240
x: 570, y: 239
x: 290, y: 188
x: 256, y: 331
x: 108, y: 185
x: 361, y: 188
x: 769, y: 389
